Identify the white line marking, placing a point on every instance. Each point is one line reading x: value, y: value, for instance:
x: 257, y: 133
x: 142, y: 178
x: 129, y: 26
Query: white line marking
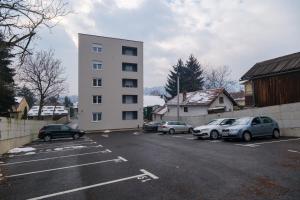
x: 72, y: 166
x: 190, y: 138
x: 293, y: 151
x: 58, y: 143
x: 177, y: 136
x: 145, y: 173
x: 86, y: 147
x: 67, y: 145
x: 57, y: 157
x: 105, y: 135
x: 121, y: 158
x: 259, y: 143
x: 215, y: 141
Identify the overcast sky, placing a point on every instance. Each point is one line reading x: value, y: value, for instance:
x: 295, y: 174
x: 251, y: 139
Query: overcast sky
x: 237, y: 33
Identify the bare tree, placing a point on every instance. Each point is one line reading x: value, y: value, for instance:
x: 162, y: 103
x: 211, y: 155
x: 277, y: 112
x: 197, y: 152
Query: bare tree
x: 42, y: 73
x: 20, y: 19
x: 219, y: 78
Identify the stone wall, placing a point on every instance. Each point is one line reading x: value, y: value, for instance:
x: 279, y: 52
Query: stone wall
x: 287, y: 116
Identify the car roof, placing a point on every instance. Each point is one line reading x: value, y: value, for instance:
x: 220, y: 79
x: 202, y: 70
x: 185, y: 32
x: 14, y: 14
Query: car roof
x: 55, y: 125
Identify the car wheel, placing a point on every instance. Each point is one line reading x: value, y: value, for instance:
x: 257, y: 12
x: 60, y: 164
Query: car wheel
x: 47, y: 138
x: 247, y: 137
x: 171, y: 131
x: 75, y: 136
x: 190, y: 130
x: 214, y: 135
x: 276, y: 134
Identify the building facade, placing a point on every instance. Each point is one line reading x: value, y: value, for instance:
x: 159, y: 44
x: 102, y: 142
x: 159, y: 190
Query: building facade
x: 273, y: 82
x: 110, y: 83
x: 201, y: 102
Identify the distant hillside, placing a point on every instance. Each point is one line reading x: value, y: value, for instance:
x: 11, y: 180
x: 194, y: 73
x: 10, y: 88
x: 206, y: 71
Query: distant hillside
x: 158, y: 90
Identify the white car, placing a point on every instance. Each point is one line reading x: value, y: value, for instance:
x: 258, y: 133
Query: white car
x: 213, y: 129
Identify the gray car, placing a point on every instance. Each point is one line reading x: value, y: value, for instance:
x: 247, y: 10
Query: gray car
x: 175, y: 127
x: 247, y: 128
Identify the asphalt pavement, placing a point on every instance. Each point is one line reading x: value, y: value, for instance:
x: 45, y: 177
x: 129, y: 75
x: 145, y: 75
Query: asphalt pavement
x: 135, y: 165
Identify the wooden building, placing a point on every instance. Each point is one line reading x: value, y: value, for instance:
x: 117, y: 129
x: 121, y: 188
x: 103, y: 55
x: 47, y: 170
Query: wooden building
x: 273, y: 82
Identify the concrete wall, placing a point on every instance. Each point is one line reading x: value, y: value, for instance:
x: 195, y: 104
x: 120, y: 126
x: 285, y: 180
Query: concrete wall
x: 15, y: 133
x: 287, y: 116
x: 111, y: 90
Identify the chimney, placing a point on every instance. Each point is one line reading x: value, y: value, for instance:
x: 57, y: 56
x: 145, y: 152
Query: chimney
x: 183, y: 96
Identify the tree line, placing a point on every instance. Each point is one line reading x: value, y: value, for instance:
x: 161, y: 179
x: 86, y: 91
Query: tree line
x: 193, y: 77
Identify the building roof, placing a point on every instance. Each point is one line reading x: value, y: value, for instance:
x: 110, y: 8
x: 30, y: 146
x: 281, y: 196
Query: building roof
x: 18, y: 99
x: 153, y: 101
x: 200, y: 97
x: 161, y: 110
x: 238, y: 96
x: 283, y: 64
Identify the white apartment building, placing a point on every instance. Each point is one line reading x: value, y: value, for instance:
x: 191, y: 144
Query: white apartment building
x: 110, y: 76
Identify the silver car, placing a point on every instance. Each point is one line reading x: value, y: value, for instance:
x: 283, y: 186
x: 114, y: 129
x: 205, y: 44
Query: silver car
x: 213, y: 129
x: 175, y: 127
x: 247, y: 128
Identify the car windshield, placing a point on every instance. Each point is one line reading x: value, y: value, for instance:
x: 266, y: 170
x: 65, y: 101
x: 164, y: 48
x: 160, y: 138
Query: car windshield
x: 214, y: 122
x: 242, y: 121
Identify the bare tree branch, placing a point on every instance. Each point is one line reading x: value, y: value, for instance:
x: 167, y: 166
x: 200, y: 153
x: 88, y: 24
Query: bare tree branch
x: 20, y: 20
x: 42, y: 73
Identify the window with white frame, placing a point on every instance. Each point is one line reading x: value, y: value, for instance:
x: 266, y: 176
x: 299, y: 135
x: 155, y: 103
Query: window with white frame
x: 97, y: 99
x: 97, y: 48
x: 97, y: 65
x: 97, y: 82
x: 97, y: 116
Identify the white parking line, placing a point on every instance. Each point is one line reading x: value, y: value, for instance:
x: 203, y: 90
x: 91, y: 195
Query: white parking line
x: 119, y: 159
x: 144, y: 176
x: 177, y: 136
x: 190, y: 138
x: 62, y: 142
x: 67, y: 145
x: 259, y: 143
x: 57, y: 157
x: 293, y: 151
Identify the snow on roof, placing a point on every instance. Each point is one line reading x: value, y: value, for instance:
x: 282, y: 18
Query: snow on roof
x: 153, y: 101
x: 18, y: 99
x: 161, y: 110
x: 200, y: 97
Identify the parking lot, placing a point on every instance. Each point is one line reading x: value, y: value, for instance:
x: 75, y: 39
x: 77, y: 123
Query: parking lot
x: 136, y: 165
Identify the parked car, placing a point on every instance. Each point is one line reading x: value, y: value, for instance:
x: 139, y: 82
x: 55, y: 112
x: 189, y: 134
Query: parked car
x: 52, y: 131
x: 151, y: 126
x: 175, y: 127
x: 247, y: 128
x: 213, y: 129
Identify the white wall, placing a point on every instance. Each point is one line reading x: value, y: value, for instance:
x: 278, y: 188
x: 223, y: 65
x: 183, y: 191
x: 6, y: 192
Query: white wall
x: 287, y: 116
x: 227, y: 103
x: 192, y: 110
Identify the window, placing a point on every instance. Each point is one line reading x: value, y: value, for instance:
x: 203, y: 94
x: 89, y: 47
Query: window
x: 97, y: 82
x: 256, y: 120
x: 97, y: 116
x: 129, y: 83
x: 97, y: 65
x: 97, y: 48
x: 266, y: 120
x: 128, y: 99
x: 64, y: 128
x: 129, y: 67
x: 129, y: 51
x: 129, y: 115
x: 97, y: 99
x: 185, y: 109
x: 221, y: 100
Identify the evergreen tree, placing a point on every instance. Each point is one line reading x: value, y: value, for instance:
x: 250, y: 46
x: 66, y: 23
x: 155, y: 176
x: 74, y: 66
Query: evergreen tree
x: 171, y: 86
x: 29, y: 96
x: 6, y: 78
x: 67, y: 102
x: 190, y: 77
x: 194, y: 75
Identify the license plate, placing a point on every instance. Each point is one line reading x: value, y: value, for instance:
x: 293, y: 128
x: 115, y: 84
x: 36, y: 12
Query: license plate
x: 225, y: 134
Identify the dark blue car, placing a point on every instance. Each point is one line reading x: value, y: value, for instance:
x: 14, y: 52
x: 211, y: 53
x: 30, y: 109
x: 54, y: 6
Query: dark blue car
x: 247, y: 128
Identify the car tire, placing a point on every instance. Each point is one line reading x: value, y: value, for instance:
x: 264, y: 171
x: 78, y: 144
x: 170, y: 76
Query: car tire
x: 214, y: 135
x: 172, y: 131
x: 75, y: 136
x: 190, y: 130
x: 47, y: 138
x: 247, y: 137
x: 276, y: 134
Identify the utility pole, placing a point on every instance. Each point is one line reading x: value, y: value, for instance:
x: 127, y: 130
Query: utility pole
x: 177, y: 96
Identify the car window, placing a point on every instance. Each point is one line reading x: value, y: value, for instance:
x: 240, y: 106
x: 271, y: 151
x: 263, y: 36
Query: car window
x: 181, y: 123
x: 242, y: 121
x: 266, y: 120
x: 227, y: 121
x: 65, y: 128
x: 256, y: 120
x: 53, y: 128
